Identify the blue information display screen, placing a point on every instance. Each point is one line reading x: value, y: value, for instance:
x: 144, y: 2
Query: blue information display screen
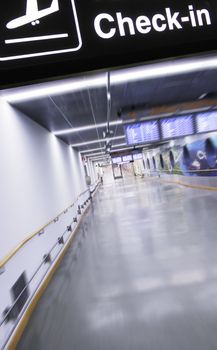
x: 176, y: 127
x: 116, y: 160
x: 137, y: 156
x: 142, y: 132
x: 206, y: 121
x: 127, y: 158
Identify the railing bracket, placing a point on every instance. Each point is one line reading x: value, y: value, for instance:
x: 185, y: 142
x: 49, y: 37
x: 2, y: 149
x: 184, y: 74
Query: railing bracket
x: 79, y: 210
x: 9, y: 314
x: 47, y: 258
x: 41, y: 232
x: 61, y: 240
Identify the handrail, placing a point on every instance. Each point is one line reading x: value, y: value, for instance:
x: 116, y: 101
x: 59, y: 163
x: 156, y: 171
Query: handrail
x: 177, y: 182
x: 201, y: 171
x: 33, y: 276
x: 175, y: 172
x: 10, y: 313
x: 14, y: 251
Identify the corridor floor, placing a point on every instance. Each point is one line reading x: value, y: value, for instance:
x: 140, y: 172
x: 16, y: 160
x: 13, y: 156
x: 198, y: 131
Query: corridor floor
x: 140, y: 275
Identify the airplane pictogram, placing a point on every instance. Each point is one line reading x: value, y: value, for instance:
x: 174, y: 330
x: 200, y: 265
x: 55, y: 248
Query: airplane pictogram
x: 33, y: 14
x: 22, y: 36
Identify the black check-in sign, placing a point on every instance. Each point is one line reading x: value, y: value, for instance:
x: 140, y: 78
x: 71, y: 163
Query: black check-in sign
x: 34, y: 28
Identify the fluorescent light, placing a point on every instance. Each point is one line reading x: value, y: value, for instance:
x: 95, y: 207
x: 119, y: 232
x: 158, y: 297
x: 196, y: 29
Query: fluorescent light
x: 94, y: 154
x: 117, y: 77
x: 87, y: 127
x: 91, y: 150
x: 98, y: 158
x: 119, y: 145
x: 54, y: 88
x: 97, y: 141
x: 124, y: 149
x: 102, y: 148
x: 73, y: 130
x: 163, y: 69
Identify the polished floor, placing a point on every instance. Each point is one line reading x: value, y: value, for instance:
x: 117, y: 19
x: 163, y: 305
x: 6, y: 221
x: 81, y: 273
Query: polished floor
x: 141, y: 274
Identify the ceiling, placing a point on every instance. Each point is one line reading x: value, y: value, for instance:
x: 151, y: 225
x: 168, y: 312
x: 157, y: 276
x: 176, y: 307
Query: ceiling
x: 88, y: 106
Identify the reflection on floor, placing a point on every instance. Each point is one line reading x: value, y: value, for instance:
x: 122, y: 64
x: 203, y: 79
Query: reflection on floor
x: 142, y: 274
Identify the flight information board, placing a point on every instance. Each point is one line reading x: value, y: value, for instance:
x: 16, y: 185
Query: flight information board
x: 137, y: 156
x: 206, y: 121
x: 127, y: 158
x: 142, y: 132
x: 177, y: 127
x: 116, y: 160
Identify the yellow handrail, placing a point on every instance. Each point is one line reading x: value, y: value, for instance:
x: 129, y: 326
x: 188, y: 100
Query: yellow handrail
x: 174, y: 172
x: 13, y: 252
x: 197, y: 187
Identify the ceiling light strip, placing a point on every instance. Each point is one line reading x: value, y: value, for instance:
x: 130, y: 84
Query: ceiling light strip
x: 159, y: 70
x: 55, y: 88
x: 94, y: 154
x: 101, y: 148
x: 91, y: 150
x: 85, y: 128
x: 123, y: 149
x: 97, y: 141
x: 121, y: 76
x: 98, y: 159
x: 119, y: 145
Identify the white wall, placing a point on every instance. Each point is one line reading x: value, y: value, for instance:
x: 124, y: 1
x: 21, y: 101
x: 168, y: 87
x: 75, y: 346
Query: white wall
x: 39, y: 177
